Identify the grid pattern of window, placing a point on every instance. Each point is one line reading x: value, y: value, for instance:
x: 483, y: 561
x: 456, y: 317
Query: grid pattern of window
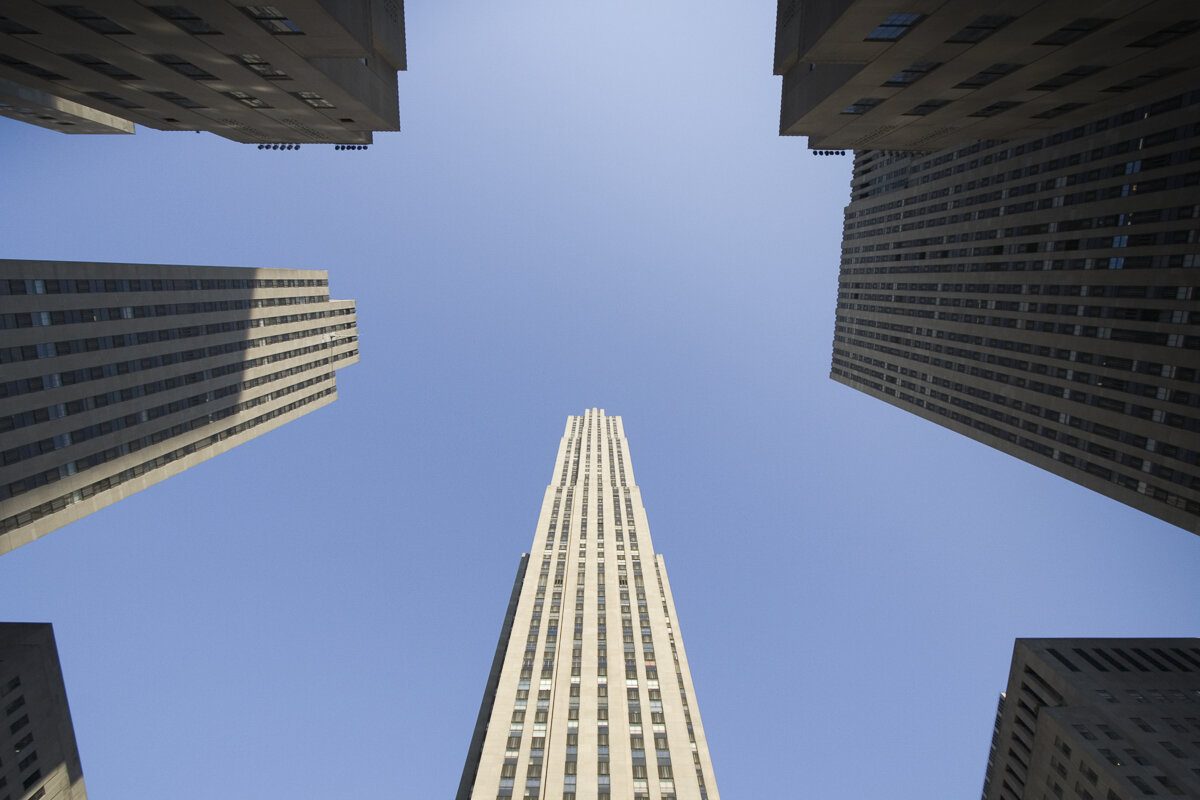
x: 1040, y: 296
x: 124, y: 374
x: 585, y: 707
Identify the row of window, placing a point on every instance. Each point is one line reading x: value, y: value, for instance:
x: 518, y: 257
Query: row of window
x: 897, y: 25
x: 142, y: 416
x: 23, y: 286
x: 270, y: 18
x: 71, y: 468
x: 63, y: 501
x: 89, y: 344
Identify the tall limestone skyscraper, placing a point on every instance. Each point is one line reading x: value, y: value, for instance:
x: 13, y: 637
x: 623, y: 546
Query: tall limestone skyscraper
x: 590, y: 696
x: 116, y: 376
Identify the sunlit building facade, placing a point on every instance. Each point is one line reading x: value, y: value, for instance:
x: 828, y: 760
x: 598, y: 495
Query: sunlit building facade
x: 114, y: 377
x: 590, y: 696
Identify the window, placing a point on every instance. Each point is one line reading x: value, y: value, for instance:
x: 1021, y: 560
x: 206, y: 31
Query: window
x: 101, y: 66
x: 1067, y: 78
x: 1141, y: 723
x: 273, y: 20
x: 1074, y: 31
x: 912, y: 73
x: 247, y: 99
x: 1058, y: 111
x: 926, y: 108
x: 862, y: 106
x: 184, y: 18
x: 260, y: 66
x: 113, y: 99
x: 990, y: 75
x: 20, y: 723
x: 1140, y: 784
x: 996, y: 108
x: 894, y: 27
x: 980, y: 29
x: 1144, y: 79
x: 90, y: 19
x: 30, y: 69
x: 316, y: 101
x: 12, y: 26
x: 178, y: 99
x: 1168, y: 34
x: 32, y: 778
x: 185, y: 68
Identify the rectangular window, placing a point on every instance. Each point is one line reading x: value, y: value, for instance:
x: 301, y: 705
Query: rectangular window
x: 1144, y: 79
x: 101, y: 66
x: 113, y: 99
x: 185, y: 68
x: 1168, y: 34
x: 185, y: 19
x: 90, y: 19
x: 926, y: 108
x: 987, y: 76
x: 980, y: 29
x: 895, y: 27
x: 247, y: 99
x: 260, y: 66
x: 317, y: 101
x: 996, y: 108
x: 12, y: 26
x: 913, y: 73
x: 273, y: 20
x: 1067, y: 78
x: 178, y: 99
x: 1074, y: 31
x: 30, y: 69
x: 862, y: 105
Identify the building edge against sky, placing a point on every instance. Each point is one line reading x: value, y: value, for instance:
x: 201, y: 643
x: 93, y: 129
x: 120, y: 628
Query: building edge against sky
x: 299, y: 71
x: 1098, y: 719
x: 40, y: 758
x: 114, y: 377
x: 555, y: 720
x: 1036, y: 290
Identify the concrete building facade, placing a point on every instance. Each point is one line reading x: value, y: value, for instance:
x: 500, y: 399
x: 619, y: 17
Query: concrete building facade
x: 924, y: 75
x: 39, y: 759
x: 590, y: 696
x: 1098, y: 719
x: 1040, y: 296
x: 300, y: 71
x: 114, y: 377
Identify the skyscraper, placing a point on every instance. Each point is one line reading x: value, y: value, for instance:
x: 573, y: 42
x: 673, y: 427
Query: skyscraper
x: 1040, y: 296
x: 40, y: 760
x: 300, y: 71
x: 929, y: 74
x: 116, y: 376
x: 1098, y: 719
x: 569, y: 710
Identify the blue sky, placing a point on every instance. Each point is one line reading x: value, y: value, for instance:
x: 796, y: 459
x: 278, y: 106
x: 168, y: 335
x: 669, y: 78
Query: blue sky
x: 588, y: 206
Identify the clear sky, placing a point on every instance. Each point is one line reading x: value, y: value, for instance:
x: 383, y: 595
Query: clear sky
x: 588, y: 206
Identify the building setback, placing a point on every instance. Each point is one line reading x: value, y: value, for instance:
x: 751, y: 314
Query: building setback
x: 116, y: 376
x: 39, y: 760
x: 929, y: 74
x: 1098, y: 719
x: 587, y: 699
x: 300, y: 71
x: 1040, y: 296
